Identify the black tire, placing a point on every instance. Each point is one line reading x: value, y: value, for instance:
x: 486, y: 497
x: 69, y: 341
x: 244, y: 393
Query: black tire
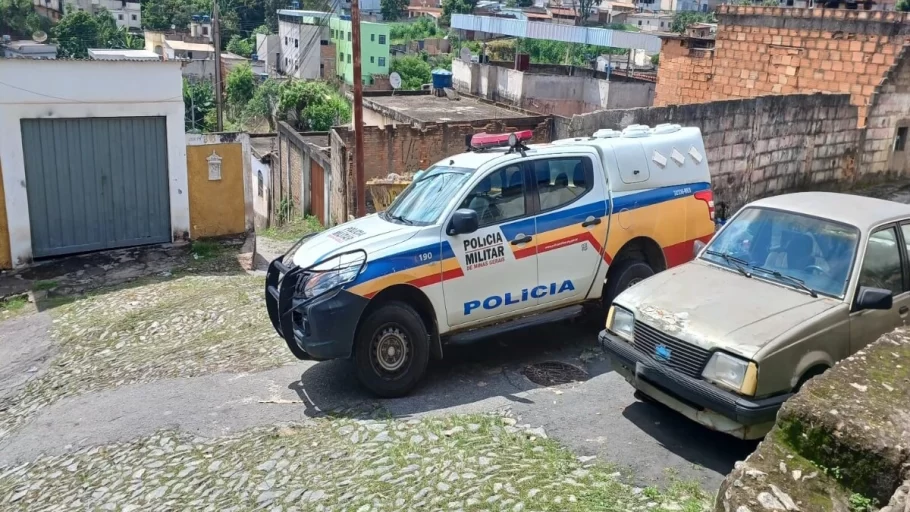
x: 397, y: 326
x: 641, y: 397
x: 809, y: 375
x: 625, y: 274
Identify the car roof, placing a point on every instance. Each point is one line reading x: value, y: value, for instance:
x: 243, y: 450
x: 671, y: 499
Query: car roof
x: 860, y: 211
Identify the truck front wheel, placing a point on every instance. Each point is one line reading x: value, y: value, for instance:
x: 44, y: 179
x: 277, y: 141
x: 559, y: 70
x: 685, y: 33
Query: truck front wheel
x: 391, y: 350
x: 626, y: 273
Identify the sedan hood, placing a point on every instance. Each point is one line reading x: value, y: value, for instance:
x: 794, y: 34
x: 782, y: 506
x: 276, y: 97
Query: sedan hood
x: 370, y: 233
x: 715, y: 308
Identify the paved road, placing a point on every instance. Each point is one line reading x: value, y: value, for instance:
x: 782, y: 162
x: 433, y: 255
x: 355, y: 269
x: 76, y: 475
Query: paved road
x: 596, y: 417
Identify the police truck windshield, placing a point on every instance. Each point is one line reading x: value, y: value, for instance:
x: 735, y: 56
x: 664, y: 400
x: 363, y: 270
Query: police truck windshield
x: 424, y: 200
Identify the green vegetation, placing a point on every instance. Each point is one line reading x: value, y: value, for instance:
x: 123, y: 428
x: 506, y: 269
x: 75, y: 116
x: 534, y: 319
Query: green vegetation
x: 199, y: 104
x: 205, y: 249
x: 295, y: 229
x: 45, y: 285
x: 860, y: 503
x: 12, y: 306
x: 312, y: 105
x: 77, y: 31
x: 558, y: 52
x: 401, y: 33
x: 686, y: 18
x: 391, y: 9
x: 655, y: 59
x: 903, y: 5
x: 450, y: 7
x: 239, y: 89
x: 262, y: 105
x: 18, y: 17
x: 414, y: 71
x: 238, y: 17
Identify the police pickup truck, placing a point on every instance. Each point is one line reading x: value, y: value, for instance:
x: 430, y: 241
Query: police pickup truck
x: 497, y: 238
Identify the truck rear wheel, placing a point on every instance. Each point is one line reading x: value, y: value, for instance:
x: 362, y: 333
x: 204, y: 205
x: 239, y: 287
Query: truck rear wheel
x: 626, y: 273
x: 392, y: 350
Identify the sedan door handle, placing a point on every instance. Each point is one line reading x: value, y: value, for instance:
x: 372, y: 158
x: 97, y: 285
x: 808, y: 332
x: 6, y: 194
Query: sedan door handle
x: 521, y: 239
x: 590, y: 221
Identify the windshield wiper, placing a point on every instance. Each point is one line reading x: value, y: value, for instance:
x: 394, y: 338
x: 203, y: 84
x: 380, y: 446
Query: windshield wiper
x: 400, y: 219
x: 733, y: 260
x: 799, y: 283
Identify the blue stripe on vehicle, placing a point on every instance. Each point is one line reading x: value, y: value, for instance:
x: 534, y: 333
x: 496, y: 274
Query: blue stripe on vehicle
x: 404, y: 260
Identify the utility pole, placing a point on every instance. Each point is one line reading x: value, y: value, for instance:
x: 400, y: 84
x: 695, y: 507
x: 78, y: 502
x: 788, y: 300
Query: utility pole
x: 216, y: 28
x: 358, y: 111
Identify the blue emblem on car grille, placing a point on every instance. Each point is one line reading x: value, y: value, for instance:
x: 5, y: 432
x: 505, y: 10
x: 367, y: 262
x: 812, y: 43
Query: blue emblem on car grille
x: 662, y: 353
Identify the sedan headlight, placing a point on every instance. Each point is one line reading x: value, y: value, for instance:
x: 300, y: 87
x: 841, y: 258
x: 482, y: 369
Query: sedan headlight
x: 732, y: 373
x: 333, y: 274
x: 621, y: 322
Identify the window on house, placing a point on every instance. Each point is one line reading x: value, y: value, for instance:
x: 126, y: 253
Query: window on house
x: 286, y: 39
x: 639, y: 23
x: 372, y: 60
x: 323, y: 42
x: 349, y: 58
x: 372, y: 37
x: 296, y: 43
x: 205, y: 31
x: 349, y: 36
x: 133, y: 17
x: 120, y: 17
x: 260, y: 186
x: 900, y: 141
x: 189, y: 55
x: 382, y: 62
x: 382, y: 39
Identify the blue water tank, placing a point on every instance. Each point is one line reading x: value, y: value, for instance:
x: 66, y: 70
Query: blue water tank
x: 442, y: 79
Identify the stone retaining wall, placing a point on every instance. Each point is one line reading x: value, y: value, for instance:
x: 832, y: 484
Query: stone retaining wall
x: 841, y: 443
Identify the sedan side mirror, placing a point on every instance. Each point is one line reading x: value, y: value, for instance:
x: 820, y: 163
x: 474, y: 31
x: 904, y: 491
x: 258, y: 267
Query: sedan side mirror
x: 697, y: 247
x: 872, y: 298
x: 463, y: 221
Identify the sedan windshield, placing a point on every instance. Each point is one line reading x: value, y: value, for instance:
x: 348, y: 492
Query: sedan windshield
x: 426, y: 197
x: 808, y: 253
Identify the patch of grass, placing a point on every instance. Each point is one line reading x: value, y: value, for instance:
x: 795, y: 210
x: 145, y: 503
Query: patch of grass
x: 860, y: 503
x: 295, y: 229
x: 13, y: 306
x: 45, y: 285
x: 205, y: 249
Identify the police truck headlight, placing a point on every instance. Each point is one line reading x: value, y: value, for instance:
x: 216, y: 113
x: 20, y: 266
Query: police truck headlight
x: 732, y: 373
x: 621, y: 322
x: 333, y: 274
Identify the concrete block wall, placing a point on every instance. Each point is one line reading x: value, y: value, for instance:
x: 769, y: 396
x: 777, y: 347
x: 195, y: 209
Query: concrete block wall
x: 405, y: 149
x: 773, y: 50
x: 756, y: 147
x: 889, y: 111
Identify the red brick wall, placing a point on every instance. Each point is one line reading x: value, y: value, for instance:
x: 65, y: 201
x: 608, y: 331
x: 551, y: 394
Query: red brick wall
x: 403, y: 149
x: 327, y: 59
x: 774, y: 50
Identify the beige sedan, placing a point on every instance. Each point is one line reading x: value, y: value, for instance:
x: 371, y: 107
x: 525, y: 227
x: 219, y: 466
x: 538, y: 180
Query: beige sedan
x: 788, y: 287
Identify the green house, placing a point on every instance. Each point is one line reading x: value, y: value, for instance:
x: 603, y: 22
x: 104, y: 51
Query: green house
x: 374, y: 49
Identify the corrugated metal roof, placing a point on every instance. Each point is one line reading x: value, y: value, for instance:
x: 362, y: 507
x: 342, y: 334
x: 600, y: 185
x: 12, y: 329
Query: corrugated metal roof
x: 557, y: 32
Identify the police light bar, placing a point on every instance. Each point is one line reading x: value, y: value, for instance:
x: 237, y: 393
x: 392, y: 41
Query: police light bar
x: 498, y: 140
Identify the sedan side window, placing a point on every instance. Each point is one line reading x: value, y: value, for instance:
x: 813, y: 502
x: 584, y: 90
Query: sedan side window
x: 882, y: 263
x: 500, y: 196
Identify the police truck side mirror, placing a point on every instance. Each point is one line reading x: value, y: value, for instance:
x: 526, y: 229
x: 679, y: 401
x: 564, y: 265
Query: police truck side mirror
x: 463, y: 221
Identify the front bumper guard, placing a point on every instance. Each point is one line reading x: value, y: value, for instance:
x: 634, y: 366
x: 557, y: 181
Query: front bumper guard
x: 697, y: 392
x: 318, y: 338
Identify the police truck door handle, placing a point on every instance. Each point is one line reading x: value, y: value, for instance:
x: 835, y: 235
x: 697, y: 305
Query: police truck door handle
x: 590, y: 221
x: 521, y: 239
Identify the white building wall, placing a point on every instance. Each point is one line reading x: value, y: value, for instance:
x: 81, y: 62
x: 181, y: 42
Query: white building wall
x: 91, y: 89
x: 300, y: 49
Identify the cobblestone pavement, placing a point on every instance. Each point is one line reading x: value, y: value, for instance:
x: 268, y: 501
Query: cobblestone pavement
x: 453, y: 463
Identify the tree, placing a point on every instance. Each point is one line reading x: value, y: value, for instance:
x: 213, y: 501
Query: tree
x: 312, y: 105
x: 76, y: 32
x: 198, y: 102
x: 239, y: 88
x: 414, y: 72
x: 240, y: 46
x: 685, y: 18
x: 450, y: 7
x: 391, y: 9
x: 655, y: 60
x: 262, y: 105
x: 18, y: 17
x: 903, y: 5
x: 584, y: 9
